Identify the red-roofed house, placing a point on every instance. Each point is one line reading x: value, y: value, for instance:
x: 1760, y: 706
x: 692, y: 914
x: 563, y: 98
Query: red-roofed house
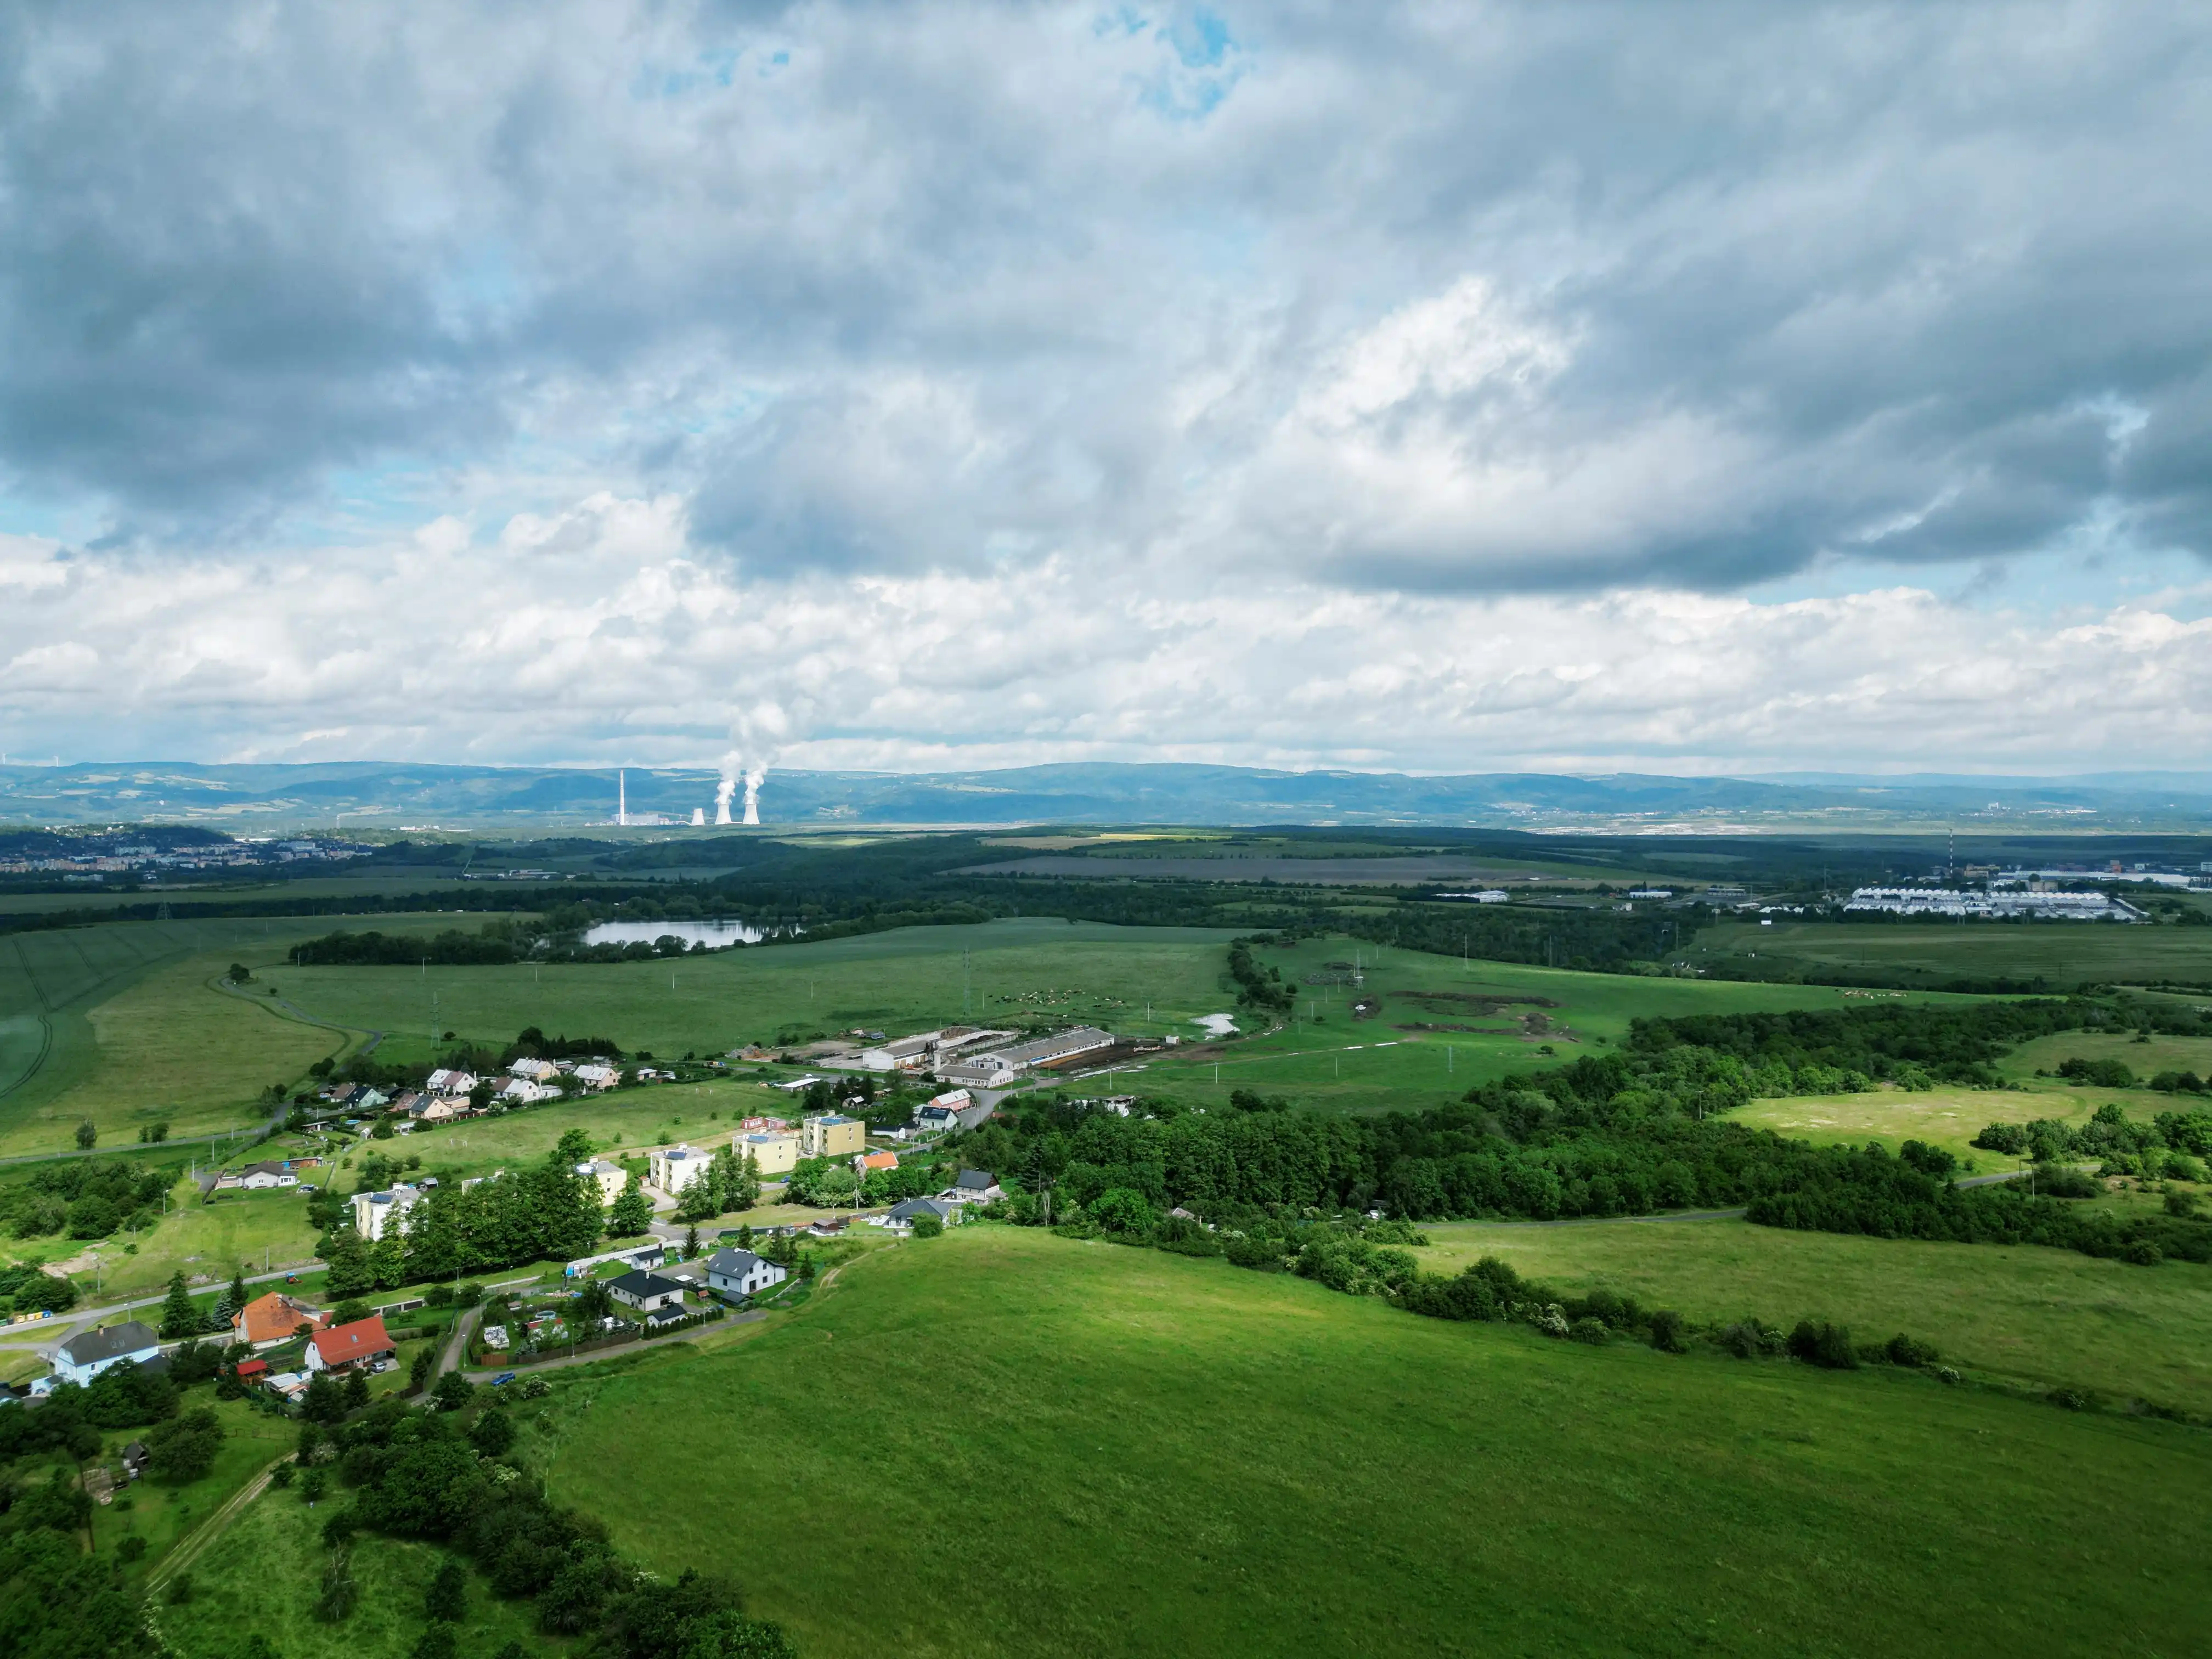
x: 250, y: 1369
x: 350, y: 1344
x: 868, y: 1162
x: 268, y: 1320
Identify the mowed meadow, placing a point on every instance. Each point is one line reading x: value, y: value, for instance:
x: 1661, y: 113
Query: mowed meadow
x: 122, y: 1025
x: 2024, y: 1314
x: 2059, y: 954
x: 1006, y: 1443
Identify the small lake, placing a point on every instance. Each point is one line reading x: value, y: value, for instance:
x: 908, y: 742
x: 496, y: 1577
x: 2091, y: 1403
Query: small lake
x: 714, y: 934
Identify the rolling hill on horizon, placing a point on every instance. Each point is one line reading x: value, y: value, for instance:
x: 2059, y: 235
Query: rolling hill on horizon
x: 385, y: 795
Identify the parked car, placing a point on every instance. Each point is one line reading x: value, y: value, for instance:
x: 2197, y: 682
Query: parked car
x: 502, y: 1379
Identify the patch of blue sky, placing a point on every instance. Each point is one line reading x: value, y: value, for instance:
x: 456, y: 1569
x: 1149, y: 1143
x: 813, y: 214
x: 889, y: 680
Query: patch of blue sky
x: 2055, y: 583
x: 23, y: 515
x: 714, y: 68
x: 1206, y: 61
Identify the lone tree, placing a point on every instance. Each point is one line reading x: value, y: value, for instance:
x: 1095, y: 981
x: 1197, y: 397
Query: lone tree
x: 179, y: 1316
x: 86, y: 1134
x: 631, y: 1213
x: 447, y: 1598
x: 238, y: 973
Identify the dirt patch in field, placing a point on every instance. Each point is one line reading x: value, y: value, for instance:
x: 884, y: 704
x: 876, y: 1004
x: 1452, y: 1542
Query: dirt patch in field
x: 1367, y: 1007
x: 1479, y: 1004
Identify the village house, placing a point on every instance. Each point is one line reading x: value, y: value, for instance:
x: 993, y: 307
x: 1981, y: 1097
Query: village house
x: 899, y: 1218
x: 672, y: 1169
x: 972, y: 1187
x: 597, y: 1075
x: 868, y: 1162
x: 343, y: 1346
x: 275, y: 1318
x: 647, y: 1293
x: 451, y: 1081
x: 522, y: 1091
x: 375, y: 1214
x: 831, y: 1134
x: 611, y: 1178
x: 774, y: 1153
x: 739, y: 1272
x: 537, y: 1070
x: 104, y: 1347
x: 261, y: 1177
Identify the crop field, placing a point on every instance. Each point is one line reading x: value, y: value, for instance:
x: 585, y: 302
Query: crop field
x: 2050, y: 1318
x: 166, y: 1047
x: 1005, y: 1443
x: 1439, y: 1025
x: 123, y: 1024
x: 2059, y: 954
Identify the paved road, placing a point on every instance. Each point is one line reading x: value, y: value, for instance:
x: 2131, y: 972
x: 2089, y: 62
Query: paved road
x: 64, y: 1325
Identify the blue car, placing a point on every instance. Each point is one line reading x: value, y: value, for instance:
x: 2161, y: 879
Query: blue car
x: 503, y: 1377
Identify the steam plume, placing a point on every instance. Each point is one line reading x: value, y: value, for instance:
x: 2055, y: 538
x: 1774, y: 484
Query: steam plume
x: 723, y: 791
x: 754, y: 778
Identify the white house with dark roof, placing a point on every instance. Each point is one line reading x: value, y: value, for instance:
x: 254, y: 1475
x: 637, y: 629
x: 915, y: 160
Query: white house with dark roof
x: 740, y: 1272
x: 972, y: 1186
x: 900, y: 1217
x: 647, y: 1293
x: 104, y: 1347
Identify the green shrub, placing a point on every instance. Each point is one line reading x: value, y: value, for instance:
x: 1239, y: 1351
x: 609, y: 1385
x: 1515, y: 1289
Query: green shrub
x: 1589, y: 1330
x: 1817, y: 1342
x: 1668, y: 1330
x: 1902, y: 1350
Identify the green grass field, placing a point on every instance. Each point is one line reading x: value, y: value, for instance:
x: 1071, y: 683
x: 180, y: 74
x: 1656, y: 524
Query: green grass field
x: 2145, y: 1059
x: 262, y: 1574
x: 906, y: 979
x: 1387, y: 1062
x: 248, y: 1228
x: 1005, y: 1443
x: 2060, y: 954
x: 1945, y: 1117
x: 121, y: 1025
x: 2052, y: 1318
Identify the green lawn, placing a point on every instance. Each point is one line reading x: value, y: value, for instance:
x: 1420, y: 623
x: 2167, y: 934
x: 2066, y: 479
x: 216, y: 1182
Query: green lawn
x: 264, y: 1573
x: 903, y: 980
x: 206, y: 1241
x: 1945, y: 1117
x: 2048, y: 1317
x: 2145, y: 1059
x: 1329, y: 1060
x: 1005, y: 1443
x: 2060, y: 954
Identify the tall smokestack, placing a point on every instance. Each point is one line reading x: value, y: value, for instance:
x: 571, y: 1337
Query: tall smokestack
x: 723, y: 791
x: 754, y: 778
x: 621, y: 798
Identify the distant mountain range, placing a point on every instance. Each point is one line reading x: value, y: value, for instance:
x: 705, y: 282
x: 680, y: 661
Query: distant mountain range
x: 254, y: 799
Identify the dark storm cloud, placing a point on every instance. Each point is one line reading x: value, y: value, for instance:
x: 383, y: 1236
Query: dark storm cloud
x: 1432, y: 297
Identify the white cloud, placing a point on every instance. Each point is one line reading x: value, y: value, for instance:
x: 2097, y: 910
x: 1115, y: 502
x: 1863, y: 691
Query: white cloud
x: 436, y: 648
x: 1275, y: 383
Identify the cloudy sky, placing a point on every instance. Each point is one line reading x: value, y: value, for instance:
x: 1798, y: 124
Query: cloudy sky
x: 1444, y: 388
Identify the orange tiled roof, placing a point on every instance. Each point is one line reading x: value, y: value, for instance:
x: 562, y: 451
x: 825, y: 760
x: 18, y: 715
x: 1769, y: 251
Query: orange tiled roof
x: 361, y: 1339
x: 273, y: 1317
